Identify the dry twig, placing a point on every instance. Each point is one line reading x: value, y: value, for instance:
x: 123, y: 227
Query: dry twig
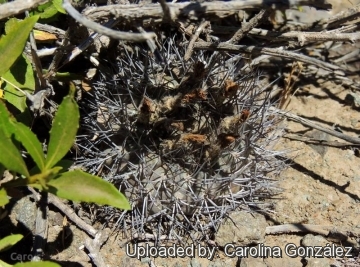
x: 350, y: 139
x: 50, y: 29
x: 193, y: 11
x: 308, y: 140
x: 267, y: 51
x: 194, y: 38
x: 239, y: 34
x: 167, y: 12
x: 119, y: 35
x: 13, y: 8
x: 70, y: 213
x: 301, y: 37
x: 327, y: 231
x: 85, y: 44
x: 343, y: 17
x: 94, y: 245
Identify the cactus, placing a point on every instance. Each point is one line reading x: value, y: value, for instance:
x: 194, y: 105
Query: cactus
x: 187, y: 142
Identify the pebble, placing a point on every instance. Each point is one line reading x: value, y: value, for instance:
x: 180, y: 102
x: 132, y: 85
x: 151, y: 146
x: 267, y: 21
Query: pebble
x: 242, y: 228
x: 252, y: 262
x: 353, y: 100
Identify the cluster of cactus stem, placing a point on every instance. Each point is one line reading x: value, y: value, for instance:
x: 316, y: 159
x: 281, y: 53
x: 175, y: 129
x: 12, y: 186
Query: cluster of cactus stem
x: 187, y: 142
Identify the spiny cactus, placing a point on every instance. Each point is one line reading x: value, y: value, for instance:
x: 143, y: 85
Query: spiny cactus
x: 186, y: 141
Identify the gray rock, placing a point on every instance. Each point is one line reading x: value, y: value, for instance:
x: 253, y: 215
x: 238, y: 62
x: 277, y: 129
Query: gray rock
x: 145, y: 260
x: 286, y: 261
x: 353, y: 100
x: 313, y: 240
x: 252, y: 262
x: 319, y: 135
x: 25, y: 210
x: 194, y: 263
x: 318, y: 262
x: 220, y: 263
x: 242, y: 228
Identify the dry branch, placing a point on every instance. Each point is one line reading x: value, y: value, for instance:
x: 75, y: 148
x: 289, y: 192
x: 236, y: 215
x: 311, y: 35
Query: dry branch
x: 350, y: 14
x: 319, y: 142
x: 86, y: 43
x: 267, y: 51
x: 327, y: 231
x: 13, y: 8
x: 72, y: 215
x: 239, y: 34
x: 50, y: 29
x: 297, y: 228
x: 119, y: 35
x: 350, y: 139
x: 194, y: 38
x: 193, y: 11
x: 167, y: 13
x: 301, y: 37
x: 335, y: 21
x: 94, y: 245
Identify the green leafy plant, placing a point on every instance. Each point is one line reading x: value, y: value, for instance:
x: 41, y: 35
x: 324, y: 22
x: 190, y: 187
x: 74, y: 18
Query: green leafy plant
x: 49, y: 175
x: 73, y: 185
x: 15, y: 69
x: 50, y: 10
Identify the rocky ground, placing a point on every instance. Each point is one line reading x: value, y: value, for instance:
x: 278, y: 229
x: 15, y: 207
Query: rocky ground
x: 321, y: 191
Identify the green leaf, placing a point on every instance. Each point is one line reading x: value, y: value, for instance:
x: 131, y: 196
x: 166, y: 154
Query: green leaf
x: 80, y: 186
x: 8, y: 241
x: 4, y: 264
x: 48, y: 12
x: 12, y: 159
x: 21, y: 74
x: 65, y: 164
x: 13, y: 43
x: 37, y: 264
x: 3, y: 197
x: 32, y: 145
x: 63, y: 131
x: 6, y: 120
x: 23, y: 134
x: 58, y: 5
x: 2, y: 170
x: 44, y: 177
x: 42, y: 7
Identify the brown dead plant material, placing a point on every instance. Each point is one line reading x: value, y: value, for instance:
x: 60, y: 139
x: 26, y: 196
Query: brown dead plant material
x: 226, y: 139
x: 193, y: 138
x: 245, y: 114
x: 230, y: 88
x: 290, y: 81
x: 194, y: 95
x: 147, y: 106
